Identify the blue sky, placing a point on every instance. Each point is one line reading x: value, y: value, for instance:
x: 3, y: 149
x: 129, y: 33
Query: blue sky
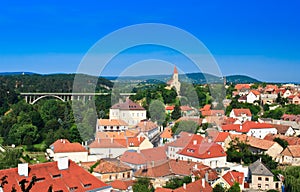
x: 256, y: 38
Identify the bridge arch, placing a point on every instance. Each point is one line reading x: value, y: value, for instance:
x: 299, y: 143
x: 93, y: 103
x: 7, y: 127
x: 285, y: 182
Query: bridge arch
x: 41, y: 97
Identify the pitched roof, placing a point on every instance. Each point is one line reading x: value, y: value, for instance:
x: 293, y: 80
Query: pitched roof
x: 255, y: 92
x: 212, y: 112
x: 184, y: 139
x: 281, y: 129
x: 106, y: 143
x: 167, y: 133
x: 175, y: 70
x: 116, y: 134
x: 233, y: 176
x: 145, y: 126
x: 206, y: 107
x: 203, y: 150
x: 195, y: 187
x: 127, y: 105
x: 112, y: 122
x: 185, y: 108
x: 111, y: 166
x: 64, y: 146
x: 242, y: 86
x: 121, y: 185
x: 258, y: 168
x: 221, y: 136
x: 74, y: 176
x: 245, y: 127
x: 292, y: 150
x: 169, y: 107
x: 290, y: 140
x: 240, y: 112
x: 254, y: 142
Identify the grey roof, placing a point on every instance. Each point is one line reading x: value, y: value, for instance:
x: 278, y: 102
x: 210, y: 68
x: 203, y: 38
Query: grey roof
x: 258, y: 168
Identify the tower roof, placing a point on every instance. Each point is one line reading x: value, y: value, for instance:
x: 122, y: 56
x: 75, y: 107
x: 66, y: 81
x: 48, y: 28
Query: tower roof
x: 175, y: 70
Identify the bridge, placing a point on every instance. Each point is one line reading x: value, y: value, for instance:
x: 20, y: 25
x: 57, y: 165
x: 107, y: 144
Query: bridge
x: 32, y: 98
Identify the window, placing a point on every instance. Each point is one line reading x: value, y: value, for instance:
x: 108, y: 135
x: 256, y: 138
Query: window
x: 110, y: 177
x: 259, y: 178
x: 118, y: 127
x: 259, y: 185
x: 267, y: 179
x: 105, y: 127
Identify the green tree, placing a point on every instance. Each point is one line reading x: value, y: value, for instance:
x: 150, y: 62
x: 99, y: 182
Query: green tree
x: 234, y: 188
x: 176, y: 114
x: 143, y: 185
x: 177, y: 182
x: 10, y: 158
x: 218, y: 188
x: 281, y: 142
x: 186, y: 126
x: 157, y: 111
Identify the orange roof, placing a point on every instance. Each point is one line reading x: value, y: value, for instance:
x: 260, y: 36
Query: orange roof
x: 290, y: 140
x: 292, y: 150
x: 239, y: 112
x: 203, y: 150
x: 222, y: 136
x: 64, y: 146
x: 167, y: 133
x: 245, y: 127
x: 255, y: 92
x: 184, y: 139
x: 185, y: 108
x: 212, y: 112
x: 116, y: 135
x: 106, y: 143
x: 254, y: 142
x: 146, y: 126
x: 233, y: 176
x: 121, y: 185
x: 195, y: 187
x: 206, y: 107
x: 111, y: 166
x: 169, y: 108
x: 112, y: 122
x: 127, y: 105
x: 242, y: 86
x: 175, y: 70
x: 74, y: 176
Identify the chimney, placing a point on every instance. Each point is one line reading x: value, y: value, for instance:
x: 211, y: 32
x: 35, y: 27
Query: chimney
x: 85, y: 143
x: 195, y: 142
x: 63, y: 163
x: 241, y: 127
x: 98, y: 140
x: 112, y: 140
x: 139, y: 138
x: 23, y: 169
x: 196, y: 167
x: 184, y: 186
x: 206, y: 176
x: 203, y: 182
x: 193, y: 178
x: 61, y: 140
x: 64, y: 141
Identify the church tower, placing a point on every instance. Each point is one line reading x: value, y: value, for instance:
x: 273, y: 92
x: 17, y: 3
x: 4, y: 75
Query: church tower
x: 174, y: 82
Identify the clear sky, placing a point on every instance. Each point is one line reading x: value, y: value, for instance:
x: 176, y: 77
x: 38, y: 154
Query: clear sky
x: 252, y: 37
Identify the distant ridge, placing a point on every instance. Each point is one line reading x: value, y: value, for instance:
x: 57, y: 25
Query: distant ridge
x: 17, y: 73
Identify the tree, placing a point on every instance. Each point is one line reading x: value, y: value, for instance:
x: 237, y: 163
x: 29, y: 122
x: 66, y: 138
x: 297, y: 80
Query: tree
x: 218, y: 188
x: 177, y: 182
x: 234, y: 188
x: 186, y: 126
x: 281, y: 142
x: 157, y: 111
x: 176, y: 114
x: 143, y: 185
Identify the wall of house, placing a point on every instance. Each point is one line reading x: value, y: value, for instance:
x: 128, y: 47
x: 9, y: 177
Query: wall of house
x: 108, y: 152
x: 262, y: 182
x: 146, y: 144
x: 172, y: 152
x: 114, y: 176
x: 291, y: 160
x: 261, y: 133
x: 104, y: 128
x: 211, y: 162
x: 74, y: 156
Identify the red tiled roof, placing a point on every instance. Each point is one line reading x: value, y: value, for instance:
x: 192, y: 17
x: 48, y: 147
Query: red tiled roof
x: 111, y: 122
x: 146, y: 126
x: 195, y: 187
x: 169, y: 108
x: 292, y: 150
x: 74, y: 176
x: 290, y: 140
x: 212, y: 112
x: 203, y: 151
x: 167, y: 133
x: 233, y: 176
x: 242, y: 98
x: 242, y: 86
x: 121, y: 185
x: 106, y: 143
x: 175, y: 70
x: 184, y: 139
x: 255, y: 92
x: 127, y: 105
x: 111, y: 166
x: 185, y: 108
x: 222, y: 136
x: 254, y: 142
x: 64, y: 146
x: 239, y: 112
x: 206, y: 107
x: 245, y: 127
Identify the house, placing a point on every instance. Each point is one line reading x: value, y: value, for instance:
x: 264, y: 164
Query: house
x: 169, y: 109
x: 261, y: 178
x: 174, y: 81
x: 250, y: 128
x: 112, y: 148
x: 128, y: 111
x: 267, y: 98
x: 63, y: 148
x: 223, y: 139
x: 294, y: 99
x: 195, y: 186
x: 290, y: 140
x: 286, y: 93
x: 260, y: 146
x: 122, y: 186
x: 291, y: 155
x: 166, y: 136
x: 242, y: 89
x: 187, y: 110
x: 210, y: 154
x: 148, y: 128
x: 242, y: 99
x: 284, y: 130
x: 228, y: 180
x: 143, y: 158
x: 111, y: 125
x: 241, y: 114
x: 62, y: 175
x: 109, y: 169
x: 253, y: 96
x: 181, y: 142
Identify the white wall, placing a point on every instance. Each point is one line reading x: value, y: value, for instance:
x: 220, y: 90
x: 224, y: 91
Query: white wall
x: 74, y: 156
x: 261, y: 133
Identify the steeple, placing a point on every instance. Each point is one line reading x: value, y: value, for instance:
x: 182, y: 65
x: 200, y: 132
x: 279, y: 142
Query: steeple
x: 175, y: 70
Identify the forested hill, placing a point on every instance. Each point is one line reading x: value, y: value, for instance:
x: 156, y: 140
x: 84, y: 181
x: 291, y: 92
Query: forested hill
x: 46, y: 83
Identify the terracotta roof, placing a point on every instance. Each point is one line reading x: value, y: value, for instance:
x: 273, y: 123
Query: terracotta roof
x: 106, y: 143
x: 175, y: 70
x: 64, y: 146
x: 255, y: 92
x: 167, y: 133
x: 121, y: 185
x: 242, y: 86
x: 292, y: 150
x: 203, y: 151
x: 116, y: 134
x: 254, y: 142
x: 245, y: 127
x: 290, y: 140
x: 221, y: 136
x: 74, y: 176
x: 185, y: 108
x: 242, y: 98
x: 281, y: 129
x: 112, y: 122
x: 212, y: 112
x: 233, y: 176
x: 111, y: 166
x: 184, y: 139
x: 169, y: 108
x: 157, y: 154
x: 127, y: 105
x: 146, y: 126
x: 206, y: 107
x: 195, y: 187
x: 240, y: 112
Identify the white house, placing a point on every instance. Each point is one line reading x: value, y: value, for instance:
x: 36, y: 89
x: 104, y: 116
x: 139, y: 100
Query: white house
x: 291, y: 155
x: 104, y: 125
x: 148, y: 128
x: 241, y: 114
x: 63, y: 148
x: 253, y: 96
x: 129, y: 111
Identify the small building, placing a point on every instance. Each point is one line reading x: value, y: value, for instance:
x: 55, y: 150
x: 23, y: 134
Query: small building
x: 104, y: 125
x: 148, y: 128
x: 166, y: 136
x: 63, y: 148
x: 291, y: 155
x: 228, y: 180
x: 242, y: 115
x: 253, y: 96
x: 261, y: 178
